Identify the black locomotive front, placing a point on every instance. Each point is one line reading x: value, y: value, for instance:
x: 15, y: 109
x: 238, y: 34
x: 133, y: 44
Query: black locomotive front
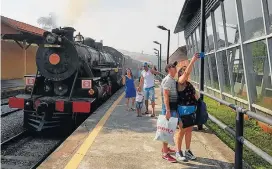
x: 70, y: 78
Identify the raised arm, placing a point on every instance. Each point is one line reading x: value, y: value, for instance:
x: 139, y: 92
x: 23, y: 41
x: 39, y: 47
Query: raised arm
x: 141, y: 82
x: 184, y: 77
x: 123, y: 79
x: 154, y: 71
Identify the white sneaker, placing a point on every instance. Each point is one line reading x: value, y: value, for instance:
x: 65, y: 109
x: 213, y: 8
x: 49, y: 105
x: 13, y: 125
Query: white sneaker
x: 189, y: 155
x: 180, y: 157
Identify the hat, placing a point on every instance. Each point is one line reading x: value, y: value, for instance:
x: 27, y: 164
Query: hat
x: 145, y: 64
x: 170, y: 65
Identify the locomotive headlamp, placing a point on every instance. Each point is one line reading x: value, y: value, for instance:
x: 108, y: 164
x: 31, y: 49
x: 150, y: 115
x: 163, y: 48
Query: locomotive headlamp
x: 50, y: 38
x: 79, y: 38
x: 60, y: 89
x: 54, y: 59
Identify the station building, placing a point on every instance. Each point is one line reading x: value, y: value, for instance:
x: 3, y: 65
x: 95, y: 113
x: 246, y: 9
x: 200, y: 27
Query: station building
x: 238, y: 49
x: 18, y: 48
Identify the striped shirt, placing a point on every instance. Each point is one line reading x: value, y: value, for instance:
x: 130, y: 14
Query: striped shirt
x: 169, y: 83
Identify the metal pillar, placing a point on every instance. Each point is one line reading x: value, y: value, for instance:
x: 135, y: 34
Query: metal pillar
x: 168, y: 46
x: 160, y: 57
x: 202, y: 46
x: 239, y: 140
x: 158, y: 61
x: 202, y: 49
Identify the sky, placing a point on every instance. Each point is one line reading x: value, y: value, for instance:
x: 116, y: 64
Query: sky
x: 123, y: 24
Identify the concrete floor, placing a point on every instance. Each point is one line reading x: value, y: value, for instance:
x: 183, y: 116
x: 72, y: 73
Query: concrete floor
x: 126, y: 142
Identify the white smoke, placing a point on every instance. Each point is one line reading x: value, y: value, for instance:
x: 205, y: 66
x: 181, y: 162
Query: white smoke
x: 72, y: 12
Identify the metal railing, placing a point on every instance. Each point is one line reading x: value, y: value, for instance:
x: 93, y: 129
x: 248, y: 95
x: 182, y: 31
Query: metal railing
x: 238, y: 134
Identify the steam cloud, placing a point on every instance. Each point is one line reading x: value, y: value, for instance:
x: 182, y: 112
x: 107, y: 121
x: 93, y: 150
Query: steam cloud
x: 73, y: 11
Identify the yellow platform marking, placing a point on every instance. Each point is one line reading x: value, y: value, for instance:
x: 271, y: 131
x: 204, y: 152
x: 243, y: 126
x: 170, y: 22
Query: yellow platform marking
x: 78, y: 156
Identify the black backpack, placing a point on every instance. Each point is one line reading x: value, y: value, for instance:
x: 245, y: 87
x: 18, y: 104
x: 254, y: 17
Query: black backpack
x: 201, y: 113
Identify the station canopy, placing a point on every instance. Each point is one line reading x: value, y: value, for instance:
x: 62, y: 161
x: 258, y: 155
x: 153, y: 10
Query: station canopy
x: 19, y: 31
x: 187, y: 13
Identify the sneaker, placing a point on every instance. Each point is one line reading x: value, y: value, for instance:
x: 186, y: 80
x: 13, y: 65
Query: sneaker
x: 180, y: 157
x: 169, y: 150
x: 189, y: 155
x: 169, y: 158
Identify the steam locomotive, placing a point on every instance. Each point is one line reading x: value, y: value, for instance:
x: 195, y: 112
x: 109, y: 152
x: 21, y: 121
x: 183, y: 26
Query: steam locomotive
x: 72, y: 77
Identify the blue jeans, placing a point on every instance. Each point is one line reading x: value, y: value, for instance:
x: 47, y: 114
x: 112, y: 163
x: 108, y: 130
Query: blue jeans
x: 149, y: 93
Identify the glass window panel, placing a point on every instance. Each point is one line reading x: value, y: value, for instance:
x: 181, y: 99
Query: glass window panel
x: 192, y: 75
x: 226, y: 86
x: 219, y: 27
x: 195, y: 42
x: 214, y: 73
x: 260, y: 73
x: 270, y: 13
x: 210, y: 33
x: 198, y: 38
x: 206, y: 42
x: 188, y: 47
x: 207, y: 78
x: 237, y: 67
x: 231, y: 22
x: 253, y: 18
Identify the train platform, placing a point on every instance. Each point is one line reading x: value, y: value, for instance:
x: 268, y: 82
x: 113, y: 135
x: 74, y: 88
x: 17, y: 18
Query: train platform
x: 115, y: 138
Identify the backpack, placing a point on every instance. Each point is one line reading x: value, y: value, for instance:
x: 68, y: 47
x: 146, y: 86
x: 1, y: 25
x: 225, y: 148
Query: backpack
x: 201, y: 113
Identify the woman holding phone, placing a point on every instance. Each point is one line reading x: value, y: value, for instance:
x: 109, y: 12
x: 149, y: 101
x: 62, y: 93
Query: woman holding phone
x: 187, y: 102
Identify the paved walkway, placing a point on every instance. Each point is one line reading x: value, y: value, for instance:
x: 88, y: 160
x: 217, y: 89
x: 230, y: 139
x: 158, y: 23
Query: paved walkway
x: 123, y: 141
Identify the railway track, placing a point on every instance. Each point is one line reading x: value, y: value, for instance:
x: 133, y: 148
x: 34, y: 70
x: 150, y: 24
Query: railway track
x: 27, y: 150
x: 8, y: 93
x: 5, y: 110
x: 11, y: 119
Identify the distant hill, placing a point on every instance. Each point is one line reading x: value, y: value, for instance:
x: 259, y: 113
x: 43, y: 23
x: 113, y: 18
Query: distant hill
x: 141, y: 57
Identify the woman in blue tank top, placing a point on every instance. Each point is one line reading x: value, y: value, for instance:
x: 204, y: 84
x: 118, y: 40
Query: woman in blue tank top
x: 130, y: 90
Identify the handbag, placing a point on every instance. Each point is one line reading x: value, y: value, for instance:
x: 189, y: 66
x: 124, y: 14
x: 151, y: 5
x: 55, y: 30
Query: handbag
x: 187, y: 115
x: 188, y: 120
x: 201, y: 113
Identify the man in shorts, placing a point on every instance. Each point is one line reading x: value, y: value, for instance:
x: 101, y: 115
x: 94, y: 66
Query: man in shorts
x: 169, y: 103
x: 147, y: 81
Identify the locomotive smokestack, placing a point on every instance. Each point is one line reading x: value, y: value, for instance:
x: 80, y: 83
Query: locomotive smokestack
x: 69, y: 33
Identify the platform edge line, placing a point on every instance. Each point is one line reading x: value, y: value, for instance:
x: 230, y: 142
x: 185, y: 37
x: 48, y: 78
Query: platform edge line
x: 78, y: 156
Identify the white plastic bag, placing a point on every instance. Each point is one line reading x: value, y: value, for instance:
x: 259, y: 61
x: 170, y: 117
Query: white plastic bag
x: 166, y: 129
